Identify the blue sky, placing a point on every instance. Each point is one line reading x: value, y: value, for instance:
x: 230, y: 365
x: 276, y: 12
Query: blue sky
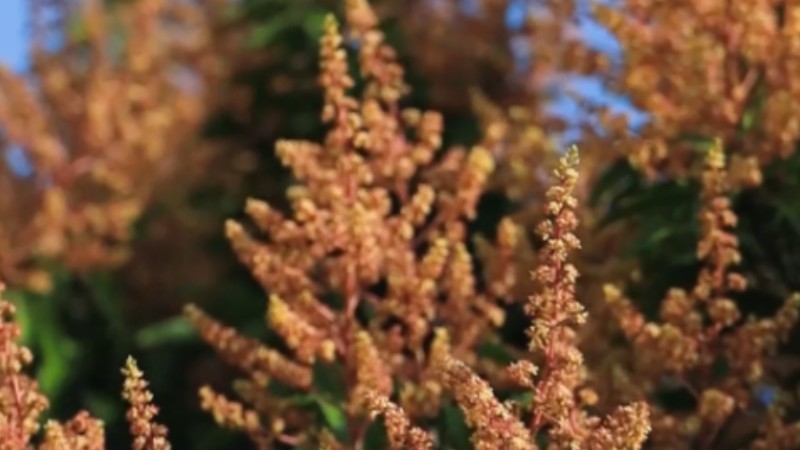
x: 12, y: 33
x: 590, y: 88
x: 13, y: 52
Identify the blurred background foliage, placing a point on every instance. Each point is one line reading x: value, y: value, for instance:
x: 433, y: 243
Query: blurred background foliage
x: 84, y: 325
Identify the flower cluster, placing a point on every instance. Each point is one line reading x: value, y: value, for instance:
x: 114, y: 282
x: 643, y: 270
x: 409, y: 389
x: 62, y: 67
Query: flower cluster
x: 395, y: 292
x: 372, y: 276
x: 560, y: 389
x: 21, y: 404
x: 710, y: 69
x: 703, y: 328
x: 379, y: 231
x: 21, y: 401
x: 100, y: 127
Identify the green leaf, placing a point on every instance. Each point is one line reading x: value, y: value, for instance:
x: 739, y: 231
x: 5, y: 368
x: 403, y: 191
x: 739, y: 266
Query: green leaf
x: 56, y: 351
x: 664, y: 199
x: 102, y: 406
x: 721, y: 368
x: 334, y: 416
x: 265, y: 34
x: 107, y: 300
x: 313, y: 23
x: 232, y: 12
x: 618, y: 175
x: 39, y: 318
x: 524, y: 399
x: 175, y: 330
x: 329, y: 381
x: 303, y: 400
x: 669, y: 242
x: 375, y: 437
x: 455, y: 432
x: 749, y: 119
x: 496, y: 352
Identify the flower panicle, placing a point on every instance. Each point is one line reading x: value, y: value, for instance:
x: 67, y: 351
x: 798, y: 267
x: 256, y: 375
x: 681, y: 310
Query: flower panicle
x: 559, y: 390
x: 147, y: 433
x: 257, y: 360
x: 494, y: 426
x: 82, y: 432
x: 555, y: 307
x: 307, y: 341
x: 22, y: 403
x: 105, y: 133
x: 371, y: 371
x: 402, y: 434
x: 233, y: 415
x: 718, y: 247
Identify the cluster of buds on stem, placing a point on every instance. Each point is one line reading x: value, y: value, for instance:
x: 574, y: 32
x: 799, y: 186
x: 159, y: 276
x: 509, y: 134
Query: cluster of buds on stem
x: 21, y: 403
x: 703, y: 328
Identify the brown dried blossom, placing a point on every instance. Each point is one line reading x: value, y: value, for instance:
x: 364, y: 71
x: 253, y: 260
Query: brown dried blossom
x: 147, y: 434
x: 554, y: 310
x: 461, y: 48
x: 82, y: 432
x: 374, y: 260
x: 555, y: 307
x: 377, y: 223
x: 303, y: 338
x: 101, y: 127
x: 627, y: 427
x: 711, y: 69
x: 259, y: 361
x: 523, y: 141
x: 703, y: 326
x: 684, y: 340
x: 493, y: 424
x: 377, y: 228
x: 719, y: 246
x: 715, y: 406
x: 402, y: 435
x: 371, y: 375
x: 21, y: 404
x: 233, y: 415
x: 559, y: 385
x: 422, y: 398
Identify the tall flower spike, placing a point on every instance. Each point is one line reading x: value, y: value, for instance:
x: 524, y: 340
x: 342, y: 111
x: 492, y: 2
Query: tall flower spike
x: 248, y: 354
x: 554, y: 307
x: 21, y: 402
x: 494, y: 426
x: 147, y: 434
x: 306, y: 341
x: 371, y: 371
x: 233, y: 415
x: 402, y: 435
x: 378, y: 61
x: 719, y: 246
x: 555, y: 313
x: 335, y: 78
